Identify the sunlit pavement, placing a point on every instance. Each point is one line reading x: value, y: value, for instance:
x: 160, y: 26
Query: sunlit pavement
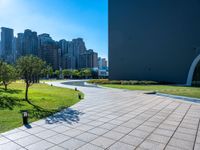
x: 112, y: 119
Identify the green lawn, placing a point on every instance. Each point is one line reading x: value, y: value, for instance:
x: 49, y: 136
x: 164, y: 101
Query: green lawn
x: 167, y: 89
x: 45, y: 100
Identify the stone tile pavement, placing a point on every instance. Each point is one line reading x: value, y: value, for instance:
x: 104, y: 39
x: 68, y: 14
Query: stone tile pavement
x: 112, y: 119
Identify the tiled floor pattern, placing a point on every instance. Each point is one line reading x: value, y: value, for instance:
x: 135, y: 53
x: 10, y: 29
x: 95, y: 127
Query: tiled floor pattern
x: 112, y: 119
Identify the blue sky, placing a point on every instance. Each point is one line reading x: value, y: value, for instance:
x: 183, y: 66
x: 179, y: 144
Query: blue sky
x: 62, y: 19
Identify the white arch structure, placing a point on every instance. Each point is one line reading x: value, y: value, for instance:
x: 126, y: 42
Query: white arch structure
x: 192, y: 69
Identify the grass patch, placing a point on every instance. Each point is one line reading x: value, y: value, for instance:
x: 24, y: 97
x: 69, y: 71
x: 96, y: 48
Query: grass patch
x: 167, y: 89
x: 160, y: 87
x: 45, y: 100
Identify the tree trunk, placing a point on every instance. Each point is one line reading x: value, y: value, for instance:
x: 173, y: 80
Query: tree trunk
x: 6, y: 87
x: 26, y: 93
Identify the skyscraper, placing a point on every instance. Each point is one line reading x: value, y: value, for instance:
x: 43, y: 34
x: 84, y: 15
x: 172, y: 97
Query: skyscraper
x: 71, y: 58
x: 30, y: 42
x: 78, y: 49
x: 6, y: 44
x: 14, y: 48
x: 0, y: 49
x: 102, y: 63
x: 62, y: 52
x: 48, y: 50
x: 20, y: 45
x: 89, y: 59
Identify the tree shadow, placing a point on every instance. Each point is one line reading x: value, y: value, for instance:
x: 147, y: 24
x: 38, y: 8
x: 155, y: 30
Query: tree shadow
x: 10, y: 91
x: 7, y: 102
x: 39, y: 112
x: 67, y: 115
x: 61, y: 114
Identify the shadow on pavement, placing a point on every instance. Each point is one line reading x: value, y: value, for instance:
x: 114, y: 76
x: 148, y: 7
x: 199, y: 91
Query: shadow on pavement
x: 68, y: 115
x: 28, y: 126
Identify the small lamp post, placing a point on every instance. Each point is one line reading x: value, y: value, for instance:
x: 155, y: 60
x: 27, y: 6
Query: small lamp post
x: 25, y: 117
x: 79, y: 95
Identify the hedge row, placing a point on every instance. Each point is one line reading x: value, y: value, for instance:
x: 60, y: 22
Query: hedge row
x: 122, y: 82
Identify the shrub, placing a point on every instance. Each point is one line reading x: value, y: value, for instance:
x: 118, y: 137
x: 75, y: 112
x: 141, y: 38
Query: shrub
x: 123, y: 82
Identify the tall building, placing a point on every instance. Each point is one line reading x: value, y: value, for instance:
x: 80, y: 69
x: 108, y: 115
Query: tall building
x: 154, y: 40
x: 30, y: 42
x: 43, y: 38
x: 20, y: 45
x: 102, y: 63
x: 89, y: 59
x: 63, y: 51
x: 71, y: 57
x: 78, y: 49
x: 14, y: 48
x: 0, y: 49
x: 6, y: 44
x: 48, y: 50
x: 63, y: 54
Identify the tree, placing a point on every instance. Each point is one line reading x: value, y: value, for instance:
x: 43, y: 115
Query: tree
x: 30, y: 68
x: 75, y: 73
x: 87, y: 72
x: 47, y: 71
x: 50, y: 71
x: 57, y: 73
x: 94, y: 74
x: 66, y: 73
x: 7, y: 74
x: 81, y: 73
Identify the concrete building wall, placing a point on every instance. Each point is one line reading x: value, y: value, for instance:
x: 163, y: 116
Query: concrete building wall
x: 153, y: 39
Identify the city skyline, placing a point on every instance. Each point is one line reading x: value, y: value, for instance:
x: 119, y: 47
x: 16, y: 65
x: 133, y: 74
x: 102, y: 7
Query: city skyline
x: 63, y: 54
x: 15, y: 35
x: 62, y: 20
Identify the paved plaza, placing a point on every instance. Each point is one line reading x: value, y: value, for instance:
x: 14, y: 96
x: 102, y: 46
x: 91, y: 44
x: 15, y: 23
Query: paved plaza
x: 112, y: 119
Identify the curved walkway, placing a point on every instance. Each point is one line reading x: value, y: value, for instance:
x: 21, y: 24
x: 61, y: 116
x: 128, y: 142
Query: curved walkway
x: 112, y: 119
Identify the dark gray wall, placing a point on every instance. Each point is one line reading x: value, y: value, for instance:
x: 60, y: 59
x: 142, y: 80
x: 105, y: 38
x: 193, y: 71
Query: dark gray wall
x: 153, y: 39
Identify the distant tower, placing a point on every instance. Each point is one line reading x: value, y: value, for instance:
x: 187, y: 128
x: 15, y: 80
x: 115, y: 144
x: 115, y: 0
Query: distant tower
x: 48, y: 50
x: 14, y: 48
x: 78, y: 49
x: 89, y: 59
x: 20, y: 45
x: 30, y: 42
x: 6, y: 44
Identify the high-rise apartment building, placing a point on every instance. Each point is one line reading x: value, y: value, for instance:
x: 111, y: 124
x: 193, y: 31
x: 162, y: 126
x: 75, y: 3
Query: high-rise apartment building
x: 63, y: 54
x: 0, y: 49
x: 102, y: 63
x: 30, y: 42
x: 14, y: 48
x: 6, y: 44
x: 48, y: 50
x: 20, y: 45
x: 89, y: 59
x: 78, y: 49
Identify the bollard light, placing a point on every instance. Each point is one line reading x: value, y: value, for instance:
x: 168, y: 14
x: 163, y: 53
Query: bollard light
x: 25, y: 117
x: 79, y: 95
x: 76, y: 89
